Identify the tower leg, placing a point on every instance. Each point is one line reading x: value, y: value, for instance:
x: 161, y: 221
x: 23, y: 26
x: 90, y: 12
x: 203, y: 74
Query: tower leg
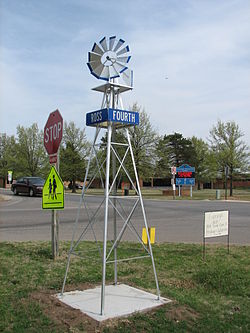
x: 109, y: 133
x: 143, y: 213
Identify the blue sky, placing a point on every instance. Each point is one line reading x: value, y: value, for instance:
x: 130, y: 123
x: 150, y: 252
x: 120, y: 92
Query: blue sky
x: 203, y: 47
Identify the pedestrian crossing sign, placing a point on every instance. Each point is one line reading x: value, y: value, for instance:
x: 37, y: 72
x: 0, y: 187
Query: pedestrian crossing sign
x: 53, y: 191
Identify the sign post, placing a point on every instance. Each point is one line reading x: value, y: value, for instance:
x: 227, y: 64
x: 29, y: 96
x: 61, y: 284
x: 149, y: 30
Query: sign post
x: 53, y: 130
x: 173, y: 171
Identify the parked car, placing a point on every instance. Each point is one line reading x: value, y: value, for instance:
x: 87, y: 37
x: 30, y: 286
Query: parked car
x: 29, y: 185
x: 78, y: 186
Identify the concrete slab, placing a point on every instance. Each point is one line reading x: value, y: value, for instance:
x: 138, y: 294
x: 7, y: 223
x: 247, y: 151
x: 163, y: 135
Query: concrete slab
x: 120, y: 300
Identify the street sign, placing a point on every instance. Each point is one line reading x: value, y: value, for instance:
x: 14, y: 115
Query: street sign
x: 53, y: 132
x: 185, y: 181
x: 113, y: 115
x: 53, y: 191
x: 173, y: 170
x: 53, y: 159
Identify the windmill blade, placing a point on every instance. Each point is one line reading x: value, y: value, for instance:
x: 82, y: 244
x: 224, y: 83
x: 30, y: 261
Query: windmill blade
x: 105, y: 73
x: 125, y: 50
x: 104, y: 44
x: 113, y: 72
x: 111, y: 42
x: 119, y: 44
x: 94, y: 57
x: 97, y: 49
x: 124, y: 67
x: 98, y: 69
x: 124, y: 60
x: 127, y: 77
x: 118, y: 67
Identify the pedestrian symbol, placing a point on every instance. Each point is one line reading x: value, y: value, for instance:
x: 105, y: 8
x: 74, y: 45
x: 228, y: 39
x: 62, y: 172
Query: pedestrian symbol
x: 53, y: 191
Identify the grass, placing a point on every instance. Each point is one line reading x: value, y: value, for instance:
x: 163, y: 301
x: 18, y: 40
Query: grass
x: 209, y: 296
x: 208, y: 194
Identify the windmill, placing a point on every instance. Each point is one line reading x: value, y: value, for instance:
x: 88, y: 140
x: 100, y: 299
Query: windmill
x: 108, y: 60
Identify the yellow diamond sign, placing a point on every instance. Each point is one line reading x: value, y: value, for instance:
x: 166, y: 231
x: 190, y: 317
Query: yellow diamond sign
x: 53, y: 191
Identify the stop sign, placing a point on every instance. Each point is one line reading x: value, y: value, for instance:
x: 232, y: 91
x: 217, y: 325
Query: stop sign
x: 53, y: 132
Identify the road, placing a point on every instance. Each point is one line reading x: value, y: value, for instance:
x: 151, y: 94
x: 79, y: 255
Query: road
x: 22, y: 219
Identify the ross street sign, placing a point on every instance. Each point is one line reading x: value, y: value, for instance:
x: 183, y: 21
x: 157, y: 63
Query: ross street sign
x: 53, y: 132
x: 53, y: 191
x: 113, y: 115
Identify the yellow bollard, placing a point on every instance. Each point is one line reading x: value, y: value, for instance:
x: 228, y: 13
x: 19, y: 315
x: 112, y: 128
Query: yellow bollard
x: 151, y: 232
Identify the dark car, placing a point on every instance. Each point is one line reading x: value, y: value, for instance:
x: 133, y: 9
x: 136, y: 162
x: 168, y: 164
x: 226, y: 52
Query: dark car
x: 78, y: 186
x: 29, y: 185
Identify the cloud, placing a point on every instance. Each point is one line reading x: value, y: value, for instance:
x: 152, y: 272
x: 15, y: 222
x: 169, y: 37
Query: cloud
x: 201, y: 46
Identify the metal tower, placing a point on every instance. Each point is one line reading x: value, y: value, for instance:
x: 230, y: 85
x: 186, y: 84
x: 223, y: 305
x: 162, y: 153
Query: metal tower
x: 111, y: 117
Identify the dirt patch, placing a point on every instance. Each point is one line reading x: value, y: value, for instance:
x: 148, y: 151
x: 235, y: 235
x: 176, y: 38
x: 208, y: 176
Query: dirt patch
x: 65, y: 318
x: 182, y: 313
x: 182, y: 284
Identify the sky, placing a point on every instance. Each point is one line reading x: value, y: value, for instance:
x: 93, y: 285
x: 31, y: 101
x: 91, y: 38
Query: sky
x: 191, y: 61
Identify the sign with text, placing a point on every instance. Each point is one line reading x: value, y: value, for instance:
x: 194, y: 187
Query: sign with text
x: 113, y: 115
x: 53, y: 131
x: 216, y: 224
x: 185, y: 175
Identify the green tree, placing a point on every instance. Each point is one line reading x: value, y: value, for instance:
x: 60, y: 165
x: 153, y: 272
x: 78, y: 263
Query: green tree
x: 230, y: 150
x: 203, y: 160
x: 73, y: 154
x: 31, y: 159
x: 177, y: 150
x: 7, y: 154
x: 144, y: 141
x: 163, y: 165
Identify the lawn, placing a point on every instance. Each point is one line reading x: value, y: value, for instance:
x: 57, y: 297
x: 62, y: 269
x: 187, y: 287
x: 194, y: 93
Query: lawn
x: 208, y: 194
x: 208, y: 296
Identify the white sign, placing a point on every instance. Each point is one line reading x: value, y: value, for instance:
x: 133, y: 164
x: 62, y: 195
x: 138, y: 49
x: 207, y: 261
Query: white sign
x: 216, y: 224
x: 173, y: 170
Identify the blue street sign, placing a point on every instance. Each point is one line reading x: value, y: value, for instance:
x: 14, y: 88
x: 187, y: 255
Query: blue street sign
x: 185, y: 181
x: 112, y: 115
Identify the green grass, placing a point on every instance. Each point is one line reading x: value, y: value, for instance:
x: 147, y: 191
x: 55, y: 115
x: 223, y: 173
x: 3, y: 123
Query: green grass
x: 209, y: 194
x: 209, y: 296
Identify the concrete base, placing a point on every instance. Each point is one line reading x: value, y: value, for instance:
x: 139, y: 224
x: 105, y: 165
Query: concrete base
x: 120, y: 300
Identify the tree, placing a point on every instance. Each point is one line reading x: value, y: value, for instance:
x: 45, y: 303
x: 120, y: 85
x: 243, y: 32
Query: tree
x: 163, y: 165
x: 7, y: 154
x: 203, y: 160
x: 73, y: 154
x: 31, y: 158
x: 230, y: 150
x: 144, y: 140
x: 177, y: 150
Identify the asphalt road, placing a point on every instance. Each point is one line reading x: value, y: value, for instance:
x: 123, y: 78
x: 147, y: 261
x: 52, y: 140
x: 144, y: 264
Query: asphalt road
x: 22, y: 219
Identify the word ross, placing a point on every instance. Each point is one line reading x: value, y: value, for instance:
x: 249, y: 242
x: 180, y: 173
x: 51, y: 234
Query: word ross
x: 96, y: 116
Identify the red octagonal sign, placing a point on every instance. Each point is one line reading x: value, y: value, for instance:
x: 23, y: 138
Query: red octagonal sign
x: 53, y: 132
